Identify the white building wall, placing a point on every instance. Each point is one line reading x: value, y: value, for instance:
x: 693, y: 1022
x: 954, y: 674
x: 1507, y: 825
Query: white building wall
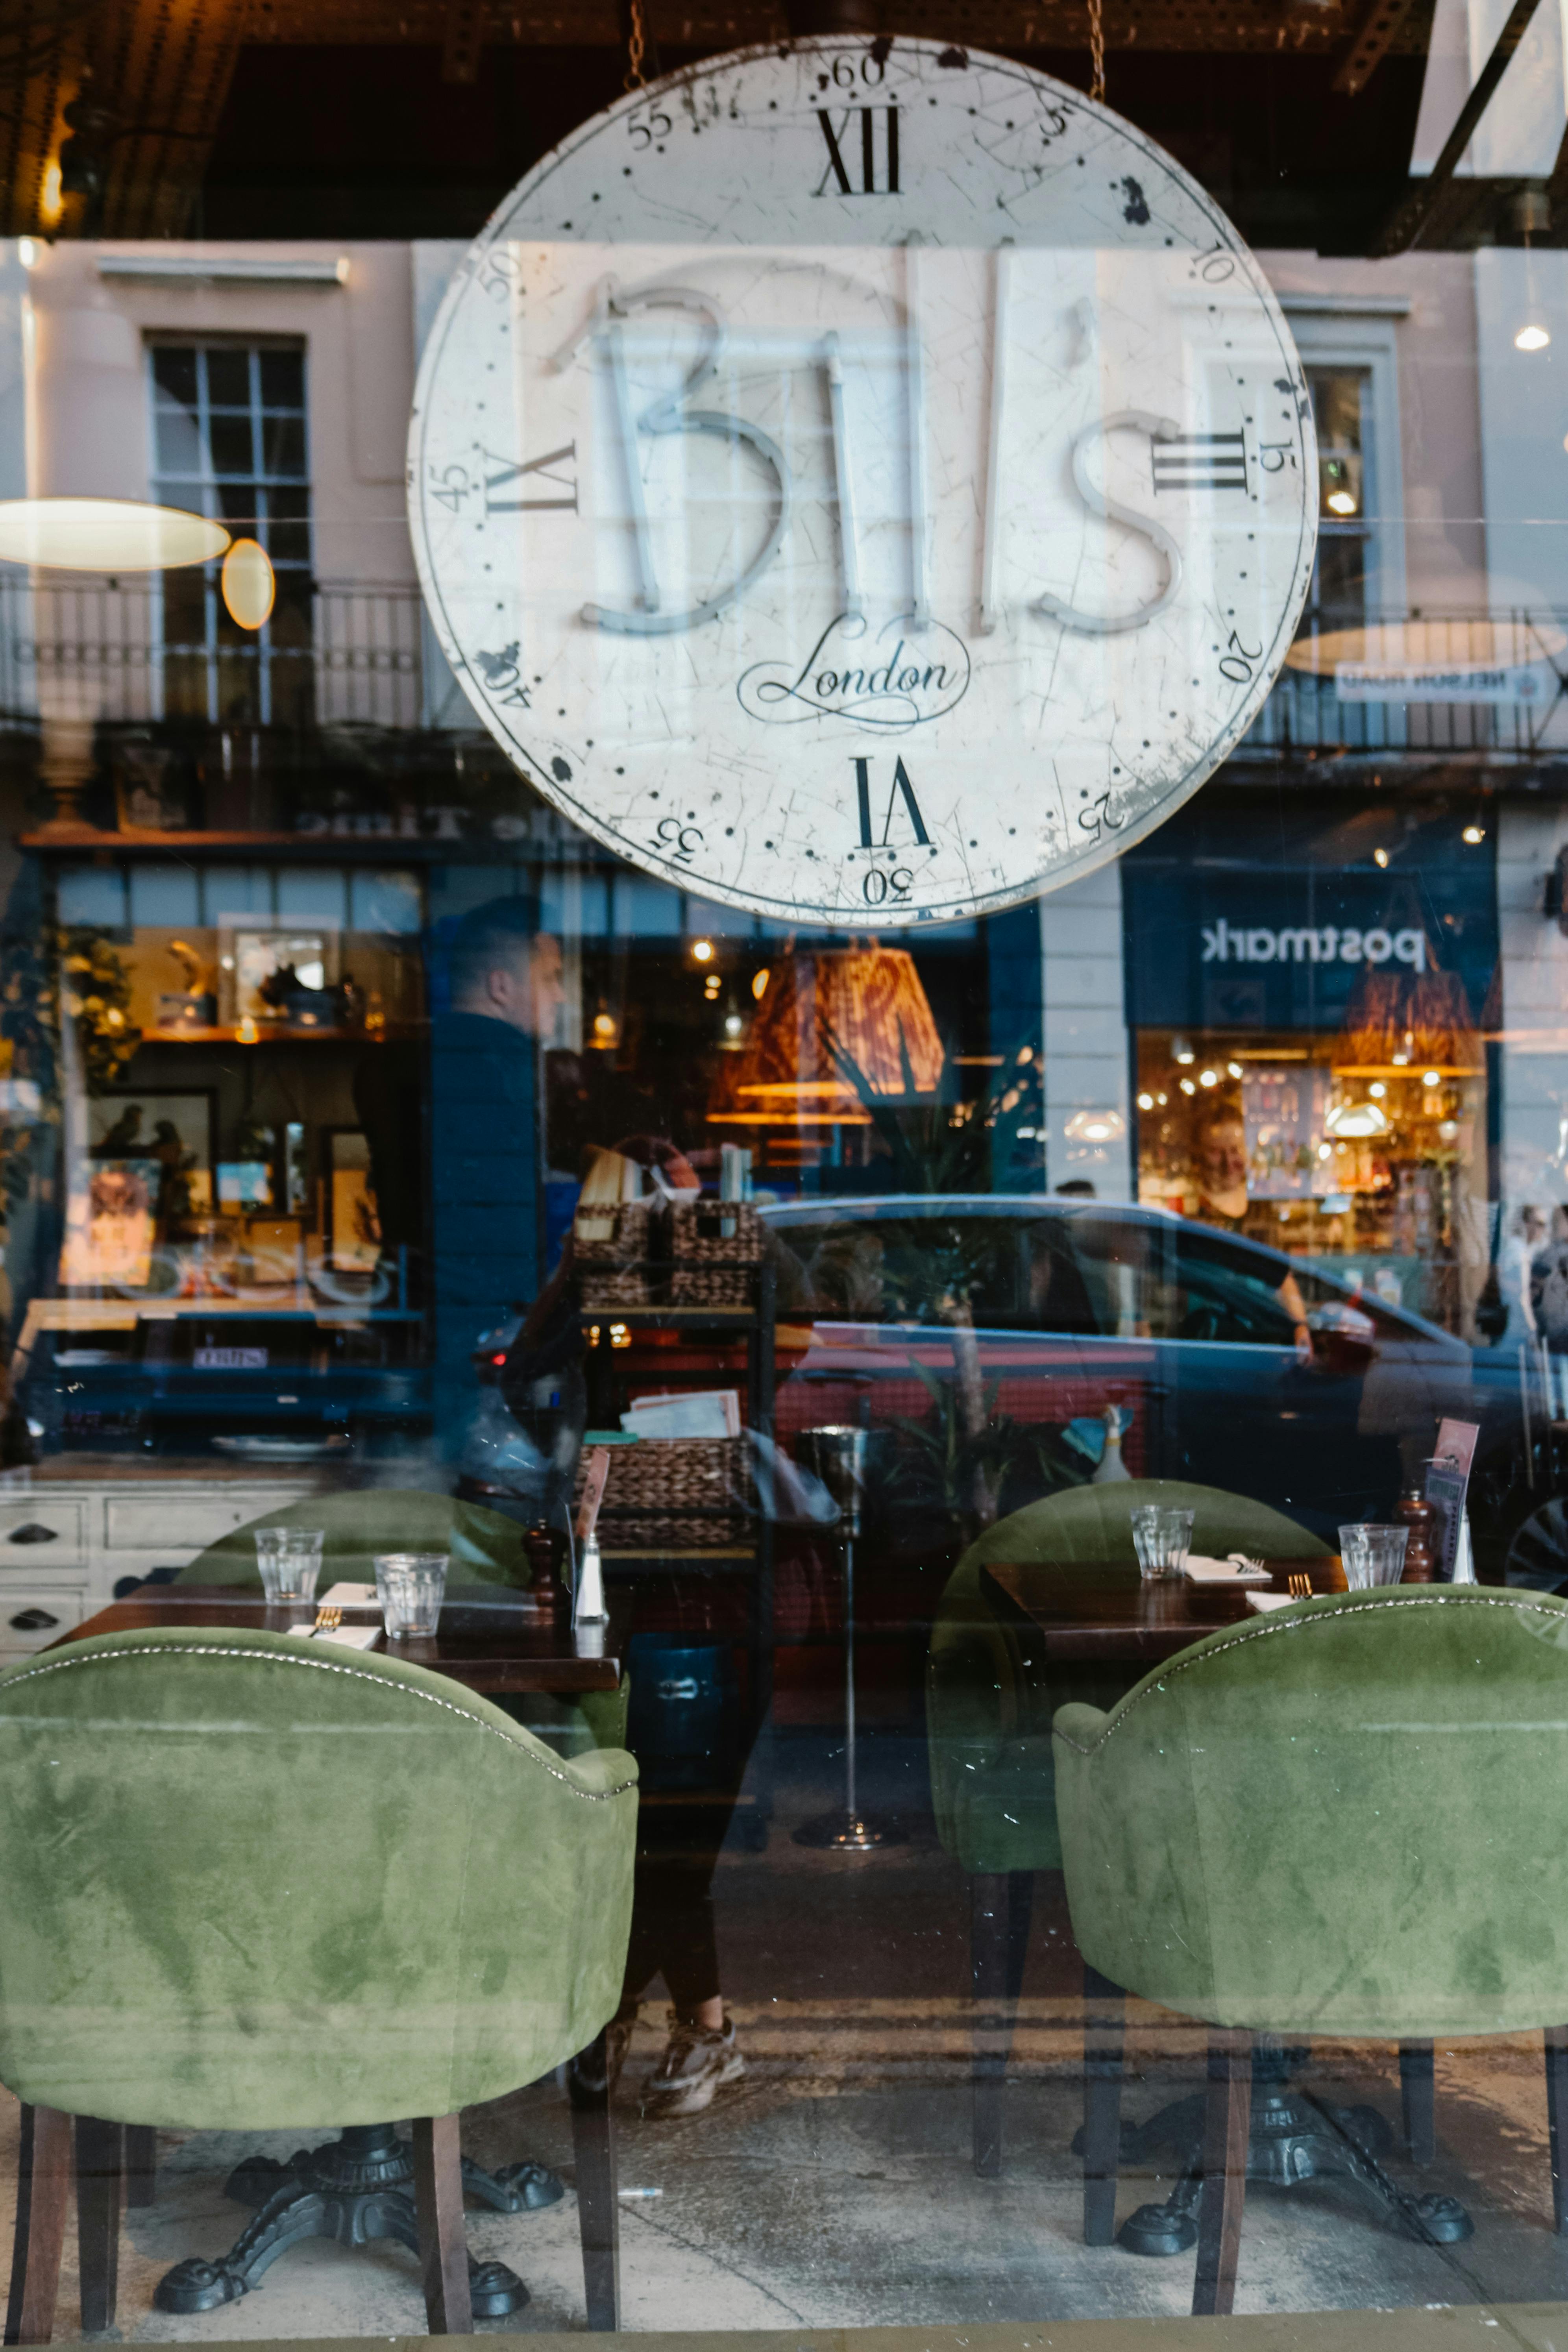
x: 1085, y: 1033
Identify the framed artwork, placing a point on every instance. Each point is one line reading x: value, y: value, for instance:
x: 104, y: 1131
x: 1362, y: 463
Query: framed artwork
x: 352, y: 1227
x: 110, y: 1225
x: 173, y: 1127
x: 252, y: 951
x: 151, y: 792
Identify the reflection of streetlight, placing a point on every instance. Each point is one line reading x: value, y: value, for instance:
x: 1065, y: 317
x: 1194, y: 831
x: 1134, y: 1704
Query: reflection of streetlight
x: 1532, y: 338
x: 702, y: 950
x: 248, y: 583
x: 105, y: 535
x: 1095, y: 1127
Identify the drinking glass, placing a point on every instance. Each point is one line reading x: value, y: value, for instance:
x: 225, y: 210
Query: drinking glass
x: 1373, y: 1555
x: 1161, y: 1539
x: 290, y: 1559
x: 410, y: 1587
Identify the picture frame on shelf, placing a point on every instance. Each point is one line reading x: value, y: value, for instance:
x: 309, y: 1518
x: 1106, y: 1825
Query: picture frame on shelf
x: 254, y: 948
x: 111, y: 1225
x: 350, y: 1227
x: 175, y: 1127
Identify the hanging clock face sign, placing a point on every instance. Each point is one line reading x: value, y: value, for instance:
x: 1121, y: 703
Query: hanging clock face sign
x: 863, y: 482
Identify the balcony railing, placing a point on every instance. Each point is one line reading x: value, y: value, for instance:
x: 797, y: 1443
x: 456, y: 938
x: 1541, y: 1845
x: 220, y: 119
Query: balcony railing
x: 1482, y: 686
x: 1477, y: 686
x: 340, y: 657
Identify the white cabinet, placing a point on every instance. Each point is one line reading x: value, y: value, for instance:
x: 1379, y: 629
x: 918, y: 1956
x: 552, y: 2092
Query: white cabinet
x: 65, y: 1545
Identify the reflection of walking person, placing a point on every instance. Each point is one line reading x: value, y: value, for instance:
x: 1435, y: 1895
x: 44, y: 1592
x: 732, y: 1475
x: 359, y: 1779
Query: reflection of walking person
x: 1514, y: 1260
x: 1548, y: 1306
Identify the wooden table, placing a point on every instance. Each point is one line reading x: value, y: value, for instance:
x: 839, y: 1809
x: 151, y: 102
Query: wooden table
x: 1090, y: 1610
x: 494, y: 1641
x: 490, y: 1639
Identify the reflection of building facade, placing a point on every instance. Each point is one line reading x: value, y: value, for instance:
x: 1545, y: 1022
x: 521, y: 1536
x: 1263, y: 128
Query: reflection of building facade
x: 1299, y: 1029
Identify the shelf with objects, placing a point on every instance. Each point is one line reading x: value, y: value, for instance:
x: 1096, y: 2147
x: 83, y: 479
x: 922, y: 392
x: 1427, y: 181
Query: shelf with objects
x: 202, y: 1263
x: 688, y: 1509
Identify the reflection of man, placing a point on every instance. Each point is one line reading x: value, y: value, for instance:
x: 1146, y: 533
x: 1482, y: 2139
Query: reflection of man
x: 1220, y: 1162
x: 505, y: 981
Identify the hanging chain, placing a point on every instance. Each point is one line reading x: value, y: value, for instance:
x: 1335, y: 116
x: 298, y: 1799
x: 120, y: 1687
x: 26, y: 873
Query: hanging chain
x: 1096, y: 51
x: 636, y: 46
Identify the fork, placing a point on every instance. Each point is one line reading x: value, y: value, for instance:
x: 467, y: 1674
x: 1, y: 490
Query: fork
x: 1299, y: 1587
x: 327, y: 1618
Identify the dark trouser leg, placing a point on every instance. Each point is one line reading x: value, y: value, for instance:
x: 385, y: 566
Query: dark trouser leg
x: 438, y: 2205
x: 1418, y: 2097
x: 598, y: 2211
x: 141, y: 2165
x: 1103, y: 2012
x: 100, y: 2190
x: 44, y: 2193
x: 1557, y: 2122
x: 999, y: 1906
x: 1227, y: 2128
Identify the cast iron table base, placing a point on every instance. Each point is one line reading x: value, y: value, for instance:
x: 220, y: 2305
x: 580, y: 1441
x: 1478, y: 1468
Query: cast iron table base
x: 1294, y: 2138
x: 352, y: 2189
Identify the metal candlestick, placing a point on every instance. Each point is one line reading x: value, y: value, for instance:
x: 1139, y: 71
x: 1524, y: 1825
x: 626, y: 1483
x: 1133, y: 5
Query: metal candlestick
x: 841, y: 1458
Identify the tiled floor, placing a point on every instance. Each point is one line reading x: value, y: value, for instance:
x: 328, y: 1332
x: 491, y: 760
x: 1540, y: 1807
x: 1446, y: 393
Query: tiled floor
x: 834, y: 2186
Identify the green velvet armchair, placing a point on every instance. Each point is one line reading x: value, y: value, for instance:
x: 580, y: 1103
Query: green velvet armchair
x: 1347, y: 1818
x: 482, y: 1548
x: 253, y: 1883
x: 989, y: 1701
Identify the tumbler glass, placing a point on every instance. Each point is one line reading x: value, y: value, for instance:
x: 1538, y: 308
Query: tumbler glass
x: 410, y: 1586
x: 1162, y: 1537
x: 1373, y: 1555
x: 290, y: 1559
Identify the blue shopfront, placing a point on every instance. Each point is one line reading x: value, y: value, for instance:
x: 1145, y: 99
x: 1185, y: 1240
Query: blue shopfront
x: 1309, y: 988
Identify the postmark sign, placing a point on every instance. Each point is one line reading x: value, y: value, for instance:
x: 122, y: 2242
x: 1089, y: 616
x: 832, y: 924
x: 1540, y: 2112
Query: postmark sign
x: 863, y: 482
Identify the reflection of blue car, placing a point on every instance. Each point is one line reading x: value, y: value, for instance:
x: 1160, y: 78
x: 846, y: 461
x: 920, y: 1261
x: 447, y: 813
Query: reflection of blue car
x: 1068, y: 1306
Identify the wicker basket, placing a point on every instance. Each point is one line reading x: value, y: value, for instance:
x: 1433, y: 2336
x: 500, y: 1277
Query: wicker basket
x: 611, y: 1247
x: 715, y: 1266
x: 676, y: 1493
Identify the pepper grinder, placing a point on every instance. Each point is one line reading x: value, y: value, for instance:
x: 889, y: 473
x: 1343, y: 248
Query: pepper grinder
x: 543, y: 1546
x: 1421, y: 1550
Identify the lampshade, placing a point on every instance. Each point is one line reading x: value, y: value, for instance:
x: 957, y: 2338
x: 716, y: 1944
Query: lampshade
x: 105, y: 535
x: 1456, y: 643
x: 868, y: 1003
x: 249, y: 585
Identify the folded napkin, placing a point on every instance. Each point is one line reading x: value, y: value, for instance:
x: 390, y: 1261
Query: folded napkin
x: 1266, y: 1601
x: 1203, y: 1571
x: 348, y: 1596
x: 348, y: 1637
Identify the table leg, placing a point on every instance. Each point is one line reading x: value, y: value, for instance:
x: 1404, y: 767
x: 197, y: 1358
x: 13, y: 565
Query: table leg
x: 1104, y: 2007
x: 1227, y: 2128
x: 141, y: 2164
x: 438, y: 2203
x: 1417, y: 2093
x: 100, y: 2189
x: 598, y: 2207
x: 44, y: 2193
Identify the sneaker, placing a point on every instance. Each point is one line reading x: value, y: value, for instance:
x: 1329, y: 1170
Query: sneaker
x: 697, y: 2063
x: 586, y: 2079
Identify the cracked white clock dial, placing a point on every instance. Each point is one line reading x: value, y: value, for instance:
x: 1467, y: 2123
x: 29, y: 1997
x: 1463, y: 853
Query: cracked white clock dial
x: 863, y: 482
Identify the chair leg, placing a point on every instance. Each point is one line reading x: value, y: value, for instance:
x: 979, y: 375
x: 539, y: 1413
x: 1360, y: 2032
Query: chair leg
x: 1103, y: 2014
x: 1227, y: 2126
x: 443, y: 2246
x: 598, y: 2207
x: 1557, y: 2122
x: 43, y: 2194
x: 1000, y: 1903
x: 141, y: 2164
x: 1418, y: 2098
x: 99, y: 2188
